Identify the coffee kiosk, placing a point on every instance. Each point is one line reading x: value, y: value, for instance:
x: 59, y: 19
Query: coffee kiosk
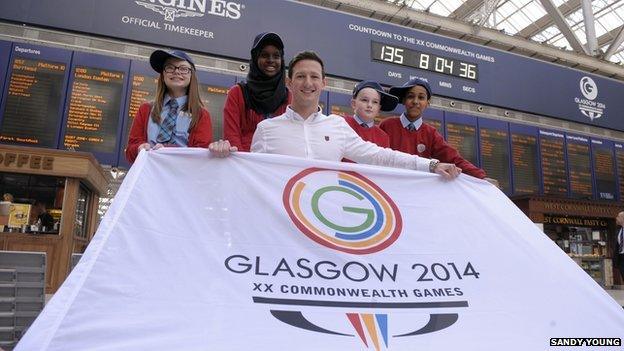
x: 53, y: 204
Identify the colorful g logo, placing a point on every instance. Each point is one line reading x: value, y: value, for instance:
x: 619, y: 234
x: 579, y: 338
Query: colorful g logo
x: 342, y: 210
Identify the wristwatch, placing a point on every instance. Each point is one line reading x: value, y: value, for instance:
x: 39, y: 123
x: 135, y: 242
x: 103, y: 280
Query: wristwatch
x: 433, y: 164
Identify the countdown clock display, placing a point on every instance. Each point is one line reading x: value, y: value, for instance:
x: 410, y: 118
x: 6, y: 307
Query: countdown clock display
x: 429, y: 62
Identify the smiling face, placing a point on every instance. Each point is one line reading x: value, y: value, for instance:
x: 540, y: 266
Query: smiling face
x: 270, y: 60
x: 367, y: 104
x: 306, y: 84
x: 177, y: 82
x: 415, y: 102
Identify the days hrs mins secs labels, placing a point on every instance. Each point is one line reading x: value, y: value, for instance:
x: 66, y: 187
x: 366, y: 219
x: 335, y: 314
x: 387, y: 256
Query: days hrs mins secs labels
x: 429, y: 62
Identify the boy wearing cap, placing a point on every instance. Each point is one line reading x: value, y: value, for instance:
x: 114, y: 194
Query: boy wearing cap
x: 177, y: 117
x: 408, y: 133
x: 368, y: 99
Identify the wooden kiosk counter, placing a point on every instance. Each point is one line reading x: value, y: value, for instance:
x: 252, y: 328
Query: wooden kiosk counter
x: 54, y: 198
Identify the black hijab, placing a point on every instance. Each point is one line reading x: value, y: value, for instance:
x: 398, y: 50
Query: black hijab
x: 262, y: 93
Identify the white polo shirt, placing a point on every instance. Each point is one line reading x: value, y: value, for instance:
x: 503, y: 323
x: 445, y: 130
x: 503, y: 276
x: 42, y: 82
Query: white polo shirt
x: 329, y: 138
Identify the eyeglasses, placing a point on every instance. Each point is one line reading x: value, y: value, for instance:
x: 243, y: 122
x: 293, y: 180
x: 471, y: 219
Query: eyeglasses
x: 181, y: 69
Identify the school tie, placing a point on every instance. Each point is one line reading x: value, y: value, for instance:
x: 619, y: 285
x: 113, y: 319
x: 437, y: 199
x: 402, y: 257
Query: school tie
x: 165, y: 134
x: 411, y: 127
x: 364, y: 125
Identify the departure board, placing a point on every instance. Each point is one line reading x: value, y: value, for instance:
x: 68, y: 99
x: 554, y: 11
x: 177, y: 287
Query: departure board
x: 142, y: 88
x: 619, y: 157
x: 494, y: 147
x: 579, y: 167
x: 604, y: 169
x: 524, y: 159
x: 553, y: 162
x: 93, y: 112
x: 213, y: 90
x: 214, y: 100
x: 31, y: 112
x: 34, y: 95
x: 432, y: 117
x: 461, y: 134
x: 5, y: 54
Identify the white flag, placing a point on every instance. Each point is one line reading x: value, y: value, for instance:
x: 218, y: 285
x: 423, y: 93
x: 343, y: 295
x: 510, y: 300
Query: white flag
x: 266, y: 252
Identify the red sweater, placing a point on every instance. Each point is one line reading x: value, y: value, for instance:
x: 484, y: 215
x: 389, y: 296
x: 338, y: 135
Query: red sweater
x: 374, y: 134
x: 200, y: 136
x: 434, y: 145
x: 239, y: 122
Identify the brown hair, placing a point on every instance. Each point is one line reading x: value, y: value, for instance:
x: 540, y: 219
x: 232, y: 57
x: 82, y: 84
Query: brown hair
x: 194, y: 105
x: 305, y: 55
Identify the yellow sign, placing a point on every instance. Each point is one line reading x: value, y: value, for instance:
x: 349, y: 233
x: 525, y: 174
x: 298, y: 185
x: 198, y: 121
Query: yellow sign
x: 19, y: 215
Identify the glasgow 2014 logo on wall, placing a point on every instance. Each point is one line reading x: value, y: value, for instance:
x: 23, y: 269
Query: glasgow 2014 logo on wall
x: 587, y: 105
x: 172, y: 9
x: 342, y: 210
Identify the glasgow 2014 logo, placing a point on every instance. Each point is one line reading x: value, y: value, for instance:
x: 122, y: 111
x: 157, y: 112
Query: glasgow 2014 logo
x: 587, y: 104
x: 342, y: 210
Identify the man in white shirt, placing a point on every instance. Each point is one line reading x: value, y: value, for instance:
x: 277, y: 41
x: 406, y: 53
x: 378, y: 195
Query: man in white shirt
x: 619, y: 245
x: 304, y: 131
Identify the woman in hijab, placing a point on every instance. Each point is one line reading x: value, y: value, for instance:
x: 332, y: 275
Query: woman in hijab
x: 263, y: 95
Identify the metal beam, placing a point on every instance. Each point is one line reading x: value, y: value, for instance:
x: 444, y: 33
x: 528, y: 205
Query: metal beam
x: 485, y: 34
x: 563, y: 26
x: 466, y: 9
x: 486, y: 11
x: 608, y: 36
x: 546, y: 20
x: 590, y: 28
x: 615, y: 44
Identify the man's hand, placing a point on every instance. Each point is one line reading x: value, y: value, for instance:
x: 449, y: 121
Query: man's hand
x: 221, y: 148
x: 447, y: 170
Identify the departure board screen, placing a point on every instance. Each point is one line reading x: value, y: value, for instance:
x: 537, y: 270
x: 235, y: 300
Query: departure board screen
x: 214, y: 100
x: 495, y: 153
x: 604, y: 169
x: 524, y: 162
x: 619, y: 157
x: 463, y: 138
x: 93, y: 112
x: 142, y: 89
x: 579, y: 167
x: 33, y: 102
x: 437, y: 124
x: 554, y: 165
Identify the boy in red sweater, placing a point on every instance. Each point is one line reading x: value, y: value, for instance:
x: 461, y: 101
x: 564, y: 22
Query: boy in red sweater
x: 368, y: 99
x: 408, y: 133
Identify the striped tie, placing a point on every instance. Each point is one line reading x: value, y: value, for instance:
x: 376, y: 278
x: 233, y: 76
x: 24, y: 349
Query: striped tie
x: 165, y: 134
x: 365, y: 125
x: 411, y: 127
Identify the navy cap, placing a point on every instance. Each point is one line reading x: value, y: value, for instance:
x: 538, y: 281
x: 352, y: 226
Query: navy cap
x: 400, y: 92
x: 266, y: 38
x: 388, y: 102
x: 158, y: 58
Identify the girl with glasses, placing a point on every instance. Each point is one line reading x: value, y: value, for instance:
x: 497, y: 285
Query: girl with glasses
x: 177, y: 117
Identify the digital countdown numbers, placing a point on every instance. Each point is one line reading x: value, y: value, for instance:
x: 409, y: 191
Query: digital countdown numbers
x: 420, y: 60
